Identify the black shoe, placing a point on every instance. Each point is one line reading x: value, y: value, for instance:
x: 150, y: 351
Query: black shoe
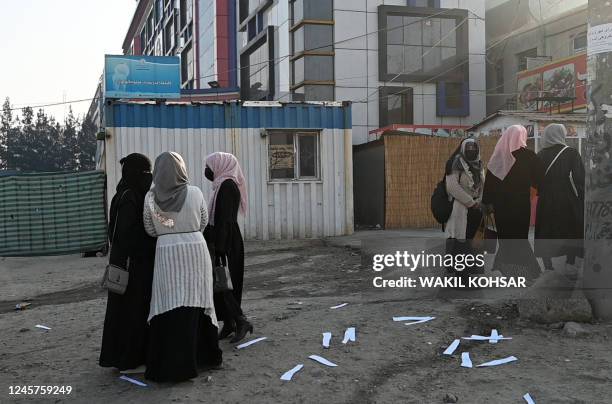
x: 242, y: 327
x: 229, y: 326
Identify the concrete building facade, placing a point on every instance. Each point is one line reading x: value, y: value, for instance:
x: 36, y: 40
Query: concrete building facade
x: 538, y: 33
x: 416, y: 62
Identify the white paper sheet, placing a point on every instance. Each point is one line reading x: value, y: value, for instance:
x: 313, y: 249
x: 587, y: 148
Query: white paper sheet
x: 322, y: 360
x: 326, y: 338
x: 486, y: 338
x: 338, y: 306
x: 412, y: 318
x: 246, y: 344
x: 452, y: 347
x: 528, y: 399
x: 289, y: 374
x: 349, y: 335
x: 498, y: 362
x: 494, y: 337
x: 423, y: 320
x: 134, y: 381
x: 466, y: 362
x: 44, y: 327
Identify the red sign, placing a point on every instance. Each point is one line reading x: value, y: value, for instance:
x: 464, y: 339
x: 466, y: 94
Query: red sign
x: 562, y: 78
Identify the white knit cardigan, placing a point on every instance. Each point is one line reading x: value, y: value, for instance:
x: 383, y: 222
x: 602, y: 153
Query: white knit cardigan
x: 183, y: 270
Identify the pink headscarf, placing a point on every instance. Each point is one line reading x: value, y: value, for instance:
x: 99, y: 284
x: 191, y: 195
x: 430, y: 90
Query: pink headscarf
x: 225, y: 166
x: 502, y: 160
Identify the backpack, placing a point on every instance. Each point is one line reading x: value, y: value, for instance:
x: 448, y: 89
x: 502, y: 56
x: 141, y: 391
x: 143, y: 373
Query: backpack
x: 441, y: 205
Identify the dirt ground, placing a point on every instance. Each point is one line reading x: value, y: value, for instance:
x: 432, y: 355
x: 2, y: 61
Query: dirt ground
x: 289, y: 289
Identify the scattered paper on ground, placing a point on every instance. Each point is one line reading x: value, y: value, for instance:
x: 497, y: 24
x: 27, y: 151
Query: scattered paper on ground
x: 134, y: 381
x: 528, y: 399
x: 498, y: 362
x: 44, y: 327
x: 349, y: 335
x: 326, y: 338
x: 338, y: 306
x: 246, y: 344
x: 423, y: 320
x: 466, y: 362
x: 412, y: 318
x: 289, y: 374
x: 493, y: 338
x: 322, y: 360
x: 452, y: 347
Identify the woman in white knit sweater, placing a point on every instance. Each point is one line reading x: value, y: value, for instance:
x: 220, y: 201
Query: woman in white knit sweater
x: 183, y: 334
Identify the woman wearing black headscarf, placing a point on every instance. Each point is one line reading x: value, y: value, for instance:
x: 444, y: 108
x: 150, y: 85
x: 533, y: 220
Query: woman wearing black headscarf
x: 125, y: 335
x: 464, y: 183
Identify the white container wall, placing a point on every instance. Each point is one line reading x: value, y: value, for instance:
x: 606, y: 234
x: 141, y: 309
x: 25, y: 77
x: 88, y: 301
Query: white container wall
x: 277, y: 209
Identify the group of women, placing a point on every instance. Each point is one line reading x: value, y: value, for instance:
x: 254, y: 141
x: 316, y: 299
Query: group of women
x: 557, y: 172
x: 168, y: 238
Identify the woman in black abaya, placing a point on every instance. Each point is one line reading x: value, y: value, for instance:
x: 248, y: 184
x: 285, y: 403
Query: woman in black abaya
x: 512, y: 171
x: 125, y: 335
x: 225, y: 240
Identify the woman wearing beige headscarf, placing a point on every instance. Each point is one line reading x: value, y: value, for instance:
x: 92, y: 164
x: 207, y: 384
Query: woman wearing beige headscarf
x: 183, y: 332
x: 560, y: 214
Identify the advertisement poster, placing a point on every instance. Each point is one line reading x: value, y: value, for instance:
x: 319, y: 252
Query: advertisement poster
x: 563, y: 78
x: 146, y: 77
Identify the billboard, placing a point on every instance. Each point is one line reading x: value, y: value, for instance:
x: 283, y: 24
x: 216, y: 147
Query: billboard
x: 562, y: 78
x: 142, y: 76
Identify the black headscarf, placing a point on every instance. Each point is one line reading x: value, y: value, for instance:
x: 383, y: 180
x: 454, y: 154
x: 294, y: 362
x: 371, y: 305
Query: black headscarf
x: 475, y: 166
x: 136, y: 177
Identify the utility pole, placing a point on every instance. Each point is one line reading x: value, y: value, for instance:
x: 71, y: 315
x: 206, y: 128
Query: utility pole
x: 597, y: 155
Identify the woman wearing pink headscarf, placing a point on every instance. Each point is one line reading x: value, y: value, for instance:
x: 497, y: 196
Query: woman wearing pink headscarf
x: 512, y: 170
x: 224, y: 239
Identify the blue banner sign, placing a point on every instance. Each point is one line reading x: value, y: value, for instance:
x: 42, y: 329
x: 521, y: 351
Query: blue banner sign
x: 142, y: 76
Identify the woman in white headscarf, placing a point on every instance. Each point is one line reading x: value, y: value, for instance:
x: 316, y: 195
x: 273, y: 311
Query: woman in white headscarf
x: 183, y: 332
x: 560, y: 213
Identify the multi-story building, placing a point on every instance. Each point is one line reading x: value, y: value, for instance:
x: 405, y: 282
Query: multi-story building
x: 536, y: 50
x: 201, y: 32
x: 419, y: 62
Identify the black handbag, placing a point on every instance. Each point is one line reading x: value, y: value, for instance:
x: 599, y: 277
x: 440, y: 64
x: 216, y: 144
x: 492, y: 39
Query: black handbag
x: 222, y: 281
x: 116, y: 278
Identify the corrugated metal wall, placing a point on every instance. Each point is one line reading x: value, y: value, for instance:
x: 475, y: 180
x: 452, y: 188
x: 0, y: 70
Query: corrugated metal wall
x: 52, y: 214
x: 277, y: 210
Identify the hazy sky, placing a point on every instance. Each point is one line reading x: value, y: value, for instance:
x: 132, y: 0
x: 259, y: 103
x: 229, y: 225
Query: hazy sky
x: 53, y: 49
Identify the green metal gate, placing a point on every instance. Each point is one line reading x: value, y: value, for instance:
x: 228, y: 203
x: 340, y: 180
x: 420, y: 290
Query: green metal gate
x: 52, y: 213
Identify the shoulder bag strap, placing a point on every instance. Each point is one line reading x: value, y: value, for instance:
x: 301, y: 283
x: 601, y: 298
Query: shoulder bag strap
x: 117, y: 217
x: 555, y: 159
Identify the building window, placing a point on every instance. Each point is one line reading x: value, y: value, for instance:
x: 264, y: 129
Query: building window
x: 257, y: 76
x: 523, y: 56
x: 395, y: 106
x: 580, y: 42
x: 424, y: 3
x: 294, y: 155
x: 252, y: 10
x: 414, y: 48
x: 312, y: 49
x: 187, y: 72
x: 453, y: 99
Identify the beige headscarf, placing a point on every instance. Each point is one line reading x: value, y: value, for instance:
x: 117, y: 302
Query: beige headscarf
x: 554, y: 134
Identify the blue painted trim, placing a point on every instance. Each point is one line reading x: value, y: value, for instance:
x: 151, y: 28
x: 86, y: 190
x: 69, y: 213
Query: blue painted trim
x: 228, y: 115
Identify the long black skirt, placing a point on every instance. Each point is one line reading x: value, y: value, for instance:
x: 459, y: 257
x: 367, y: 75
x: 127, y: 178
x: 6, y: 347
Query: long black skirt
x: 181, y: 341
x: 125, y: 334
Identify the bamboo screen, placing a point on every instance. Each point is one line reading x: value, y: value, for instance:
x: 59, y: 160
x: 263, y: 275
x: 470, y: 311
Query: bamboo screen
x: 413, y: 167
